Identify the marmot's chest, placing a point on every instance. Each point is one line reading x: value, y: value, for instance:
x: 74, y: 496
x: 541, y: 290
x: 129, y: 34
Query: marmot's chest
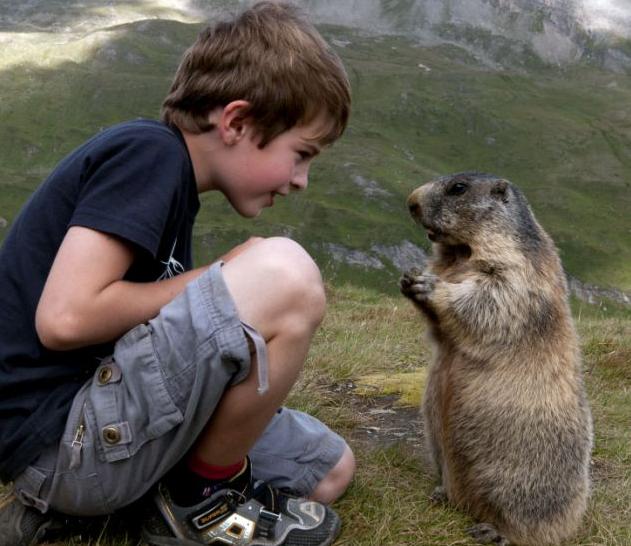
x: 455, y: 272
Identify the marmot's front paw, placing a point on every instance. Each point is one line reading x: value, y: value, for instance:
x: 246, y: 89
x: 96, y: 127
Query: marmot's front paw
x: 416, y: 285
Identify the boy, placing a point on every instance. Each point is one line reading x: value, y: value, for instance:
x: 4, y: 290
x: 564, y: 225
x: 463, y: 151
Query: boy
x: 121, y: 367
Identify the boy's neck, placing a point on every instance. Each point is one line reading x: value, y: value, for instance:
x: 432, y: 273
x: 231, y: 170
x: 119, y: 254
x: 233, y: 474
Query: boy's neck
x: 201, y: 147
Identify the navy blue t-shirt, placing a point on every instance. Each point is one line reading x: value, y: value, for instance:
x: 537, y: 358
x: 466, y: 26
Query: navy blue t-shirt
x: 134, y: 181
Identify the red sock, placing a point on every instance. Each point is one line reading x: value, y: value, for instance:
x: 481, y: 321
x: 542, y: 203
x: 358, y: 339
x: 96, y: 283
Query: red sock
x: 211, y: 471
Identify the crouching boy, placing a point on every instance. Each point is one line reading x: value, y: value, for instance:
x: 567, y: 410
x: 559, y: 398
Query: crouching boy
x: 123, y: 371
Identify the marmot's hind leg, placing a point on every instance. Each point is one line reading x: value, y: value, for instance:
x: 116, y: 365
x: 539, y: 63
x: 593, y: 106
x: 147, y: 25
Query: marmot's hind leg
x: 439, y: 495
x: 485, y: 533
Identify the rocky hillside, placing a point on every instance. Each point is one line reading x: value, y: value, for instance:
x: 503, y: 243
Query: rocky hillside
x: 537, y: 91
x: 500, y: 32
x: 503, y: 32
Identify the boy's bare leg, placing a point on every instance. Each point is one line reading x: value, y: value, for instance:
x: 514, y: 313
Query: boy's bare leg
x: 278, y: 290
x: 337, y: 480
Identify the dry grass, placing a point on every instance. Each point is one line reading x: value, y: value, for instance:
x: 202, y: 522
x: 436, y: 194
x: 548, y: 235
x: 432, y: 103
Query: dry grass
x: 388, y: 504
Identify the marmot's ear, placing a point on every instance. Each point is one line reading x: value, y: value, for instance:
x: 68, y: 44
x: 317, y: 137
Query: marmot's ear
x: 500, y: 190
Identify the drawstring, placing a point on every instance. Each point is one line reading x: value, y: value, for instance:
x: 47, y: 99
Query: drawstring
x: 261, y: 357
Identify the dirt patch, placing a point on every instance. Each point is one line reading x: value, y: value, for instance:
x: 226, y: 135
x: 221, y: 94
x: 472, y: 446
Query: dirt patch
x: 382, y: 421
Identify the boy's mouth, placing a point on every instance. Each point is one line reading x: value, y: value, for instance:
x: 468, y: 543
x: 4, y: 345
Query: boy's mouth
x: 273, y: 195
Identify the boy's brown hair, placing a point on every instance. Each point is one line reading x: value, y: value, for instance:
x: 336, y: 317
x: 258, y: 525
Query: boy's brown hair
x: 271, y: 57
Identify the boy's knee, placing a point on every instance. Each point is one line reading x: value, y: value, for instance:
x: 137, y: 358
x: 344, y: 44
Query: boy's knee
x: 336, y: 482
x: 296, y: 276
x: 288, y: 252
x: 277, y: 285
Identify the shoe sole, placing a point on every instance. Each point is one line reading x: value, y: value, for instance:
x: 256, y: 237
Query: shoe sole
x: 161, y: 540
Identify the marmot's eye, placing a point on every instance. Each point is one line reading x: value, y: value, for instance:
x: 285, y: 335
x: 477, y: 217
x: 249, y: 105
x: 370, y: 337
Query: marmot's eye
x: 457, y: 189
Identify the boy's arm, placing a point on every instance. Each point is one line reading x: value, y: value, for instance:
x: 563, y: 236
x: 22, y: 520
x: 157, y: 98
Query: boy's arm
x: 86, y: 302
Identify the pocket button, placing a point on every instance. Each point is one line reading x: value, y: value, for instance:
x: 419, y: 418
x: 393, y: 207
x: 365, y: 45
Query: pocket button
x: 111, y: 435
x: 105, y: 374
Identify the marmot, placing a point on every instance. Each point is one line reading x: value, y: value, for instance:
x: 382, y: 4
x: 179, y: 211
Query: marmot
x: 507, y: 422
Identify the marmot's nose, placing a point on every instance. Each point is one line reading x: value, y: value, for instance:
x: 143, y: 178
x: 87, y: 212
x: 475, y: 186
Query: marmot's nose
x: 414, y: 208
x: 414, y: 203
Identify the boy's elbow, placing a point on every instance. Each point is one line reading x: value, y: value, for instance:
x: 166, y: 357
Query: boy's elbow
x: 58, y: 331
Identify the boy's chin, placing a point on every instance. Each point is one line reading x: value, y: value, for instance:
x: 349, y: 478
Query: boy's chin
x: 249, y: 212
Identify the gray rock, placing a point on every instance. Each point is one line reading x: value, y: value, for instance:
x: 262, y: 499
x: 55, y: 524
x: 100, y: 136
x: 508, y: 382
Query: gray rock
x: 370, y: 188
x: 403, y: 256
x: 595, y: 295
x: 353, y: 257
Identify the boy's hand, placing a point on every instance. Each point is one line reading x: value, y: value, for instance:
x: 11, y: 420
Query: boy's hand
x: 233, y: 252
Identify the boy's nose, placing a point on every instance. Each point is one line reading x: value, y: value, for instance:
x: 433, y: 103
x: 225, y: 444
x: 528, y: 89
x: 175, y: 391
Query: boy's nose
x: 300, y: 181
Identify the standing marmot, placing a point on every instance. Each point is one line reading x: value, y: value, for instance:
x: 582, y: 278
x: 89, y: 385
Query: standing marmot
x: 506, y: 419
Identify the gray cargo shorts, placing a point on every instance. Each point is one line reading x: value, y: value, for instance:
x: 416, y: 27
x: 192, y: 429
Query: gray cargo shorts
x: 146, y: 405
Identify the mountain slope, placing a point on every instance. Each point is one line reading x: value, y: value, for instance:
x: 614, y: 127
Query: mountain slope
x: 563, y: 135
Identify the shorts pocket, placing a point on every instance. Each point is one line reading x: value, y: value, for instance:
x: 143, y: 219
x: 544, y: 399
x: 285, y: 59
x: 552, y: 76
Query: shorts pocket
x: 128, y: 399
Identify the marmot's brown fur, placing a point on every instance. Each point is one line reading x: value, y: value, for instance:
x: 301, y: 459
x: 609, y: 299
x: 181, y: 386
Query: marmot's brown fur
x: 506, y: 418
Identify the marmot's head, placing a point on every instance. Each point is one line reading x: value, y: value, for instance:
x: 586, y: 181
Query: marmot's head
x: 465, y: 208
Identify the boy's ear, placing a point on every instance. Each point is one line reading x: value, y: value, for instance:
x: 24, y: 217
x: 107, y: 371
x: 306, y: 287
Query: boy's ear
x: 233, y: 121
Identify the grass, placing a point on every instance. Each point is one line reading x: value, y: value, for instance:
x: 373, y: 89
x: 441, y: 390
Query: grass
x: 563, y: 136
x: 388, y: 503
x: 366, y: 333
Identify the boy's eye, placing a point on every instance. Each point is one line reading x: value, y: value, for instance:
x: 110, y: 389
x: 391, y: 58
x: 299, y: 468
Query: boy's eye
x: 304, y: 154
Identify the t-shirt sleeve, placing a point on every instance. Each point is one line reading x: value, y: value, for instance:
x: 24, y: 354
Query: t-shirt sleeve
x: 129, y: 186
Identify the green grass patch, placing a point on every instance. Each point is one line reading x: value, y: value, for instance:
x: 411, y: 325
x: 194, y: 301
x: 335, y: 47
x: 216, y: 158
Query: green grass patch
x: 407, y: 386
x: 366, y: 334
x: 563, y: 136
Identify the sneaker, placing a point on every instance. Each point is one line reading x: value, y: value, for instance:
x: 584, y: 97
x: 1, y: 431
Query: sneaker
x: 21, y: 525
x: 254, y: 515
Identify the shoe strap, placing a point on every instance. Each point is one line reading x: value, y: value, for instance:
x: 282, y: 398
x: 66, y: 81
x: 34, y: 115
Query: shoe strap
x: 266, y: 524
x: 267, y: 496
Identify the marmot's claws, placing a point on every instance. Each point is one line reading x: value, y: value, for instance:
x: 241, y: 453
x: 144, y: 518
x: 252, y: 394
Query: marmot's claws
x: 487, y: 534
x: 439, y: 495
x: 422, y: 288
x: 417, y: 286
